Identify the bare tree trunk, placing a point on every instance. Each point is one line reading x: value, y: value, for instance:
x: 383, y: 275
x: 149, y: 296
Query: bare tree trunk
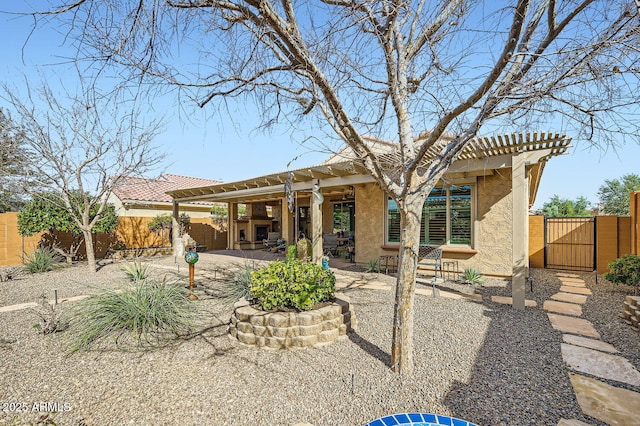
x: 402, y: 344
x: 91, y: 255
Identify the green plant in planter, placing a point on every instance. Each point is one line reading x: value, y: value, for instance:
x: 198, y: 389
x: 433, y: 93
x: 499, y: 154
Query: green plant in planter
x: 291, y: 284
x: 625, y: 270
x: 292, y: 252
x: 472, y: 276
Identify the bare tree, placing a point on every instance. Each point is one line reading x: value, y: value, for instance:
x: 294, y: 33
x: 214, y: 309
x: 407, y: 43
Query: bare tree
x: 15, y: 166
x: 82, y: 147
x: 417, y: 72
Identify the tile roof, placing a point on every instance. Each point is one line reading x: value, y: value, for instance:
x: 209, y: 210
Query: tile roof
x: 154, y: 190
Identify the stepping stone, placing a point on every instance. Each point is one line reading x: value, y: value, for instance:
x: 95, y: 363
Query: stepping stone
x: 18, y: 307
x: 567, y: 274
x: 378, y: 283
x: 599, y: 364
x: 562, y: 308
x: 574, y: 284
x: 449, y: 295
x: 575, y: 290
x: 75, y: 298
x: 571, y: 280
x: 572, y: 422
x: 509, y: 301
x: 573, y: 325
x: 376, y: 287
x: 350, y: 283
x: 585, y: 342
x: 614, y: 406
x: 570, y: 297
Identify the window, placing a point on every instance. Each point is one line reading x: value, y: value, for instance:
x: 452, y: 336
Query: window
x: 446, y: 217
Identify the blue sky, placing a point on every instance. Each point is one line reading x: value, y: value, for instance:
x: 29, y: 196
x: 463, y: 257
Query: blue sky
x: 217, y: 147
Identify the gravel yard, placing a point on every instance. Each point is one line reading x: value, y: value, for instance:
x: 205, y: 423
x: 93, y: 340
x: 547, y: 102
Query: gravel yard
x: 483, y: 362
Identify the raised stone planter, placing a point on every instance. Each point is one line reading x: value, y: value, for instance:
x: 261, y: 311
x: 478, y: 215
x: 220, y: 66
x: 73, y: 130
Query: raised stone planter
x: 631, y: 311
x: 279, y: 330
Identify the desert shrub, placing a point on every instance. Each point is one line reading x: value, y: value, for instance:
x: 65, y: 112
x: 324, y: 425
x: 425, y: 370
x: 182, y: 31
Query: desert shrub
x: 373, y: 265
x: 236, y: 284
x: 625, y: 270
x: 8, y: 273
x: 40, y: 260
x: 50, y: 319
x: 148, y: 313
x: 136, y: 270
x: 291, y: 284
x: 472, y: 276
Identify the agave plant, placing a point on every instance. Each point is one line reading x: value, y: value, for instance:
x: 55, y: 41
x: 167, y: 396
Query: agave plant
x: 472, y: 276
x: 136, y: 270
x: 40, y: 260
x: 373, y: 265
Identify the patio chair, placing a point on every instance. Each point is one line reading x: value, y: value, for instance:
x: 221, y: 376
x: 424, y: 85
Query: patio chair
x: 330, y: 244
x: 431, y: 257
x: 272, y: 240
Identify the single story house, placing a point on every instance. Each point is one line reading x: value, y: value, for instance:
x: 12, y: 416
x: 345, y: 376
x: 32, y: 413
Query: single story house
x: 146, y: 197
x: 139, y: 200
x: 478, y: 213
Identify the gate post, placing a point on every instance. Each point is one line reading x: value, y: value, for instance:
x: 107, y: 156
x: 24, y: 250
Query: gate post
x: 546, y: 241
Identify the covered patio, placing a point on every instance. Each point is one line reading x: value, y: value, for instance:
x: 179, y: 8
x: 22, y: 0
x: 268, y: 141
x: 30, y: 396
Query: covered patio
x: 500, y: 175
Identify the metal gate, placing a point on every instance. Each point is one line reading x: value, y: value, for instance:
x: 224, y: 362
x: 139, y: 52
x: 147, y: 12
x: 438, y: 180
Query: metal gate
x: 570, y: 243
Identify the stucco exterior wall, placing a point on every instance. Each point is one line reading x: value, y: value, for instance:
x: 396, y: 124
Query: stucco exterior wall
x: 493, y: 233
x: 369, y: 236
x: 492, y: 249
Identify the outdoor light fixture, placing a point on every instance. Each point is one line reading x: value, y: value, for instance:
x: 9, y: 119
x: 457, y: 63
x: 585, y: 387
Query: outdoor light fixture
x: 318, y: 198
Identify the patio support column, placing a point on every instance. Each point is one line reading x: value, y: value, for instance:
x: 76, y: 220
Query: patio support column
x: 286, y: 223
x: 232, y: 214
x: 178, y: 247
x: 520, y: 222
x: 316, y: 223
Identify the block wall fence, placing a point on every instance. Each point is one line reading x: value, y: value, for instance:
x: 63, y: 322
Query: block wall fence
x: 132, y: 232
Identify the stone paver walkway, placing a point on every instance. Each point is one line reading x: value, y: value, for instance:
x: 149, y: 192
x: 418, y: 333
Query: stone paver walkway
x: 562, y: 307
x: 585, y: 342
x: 506, y: 300
x: 573, y: 325
x: 603, y: 365
x: 584, y: 352
x: 575, y: 290
x: 612, y: 405
x: 579, y: 299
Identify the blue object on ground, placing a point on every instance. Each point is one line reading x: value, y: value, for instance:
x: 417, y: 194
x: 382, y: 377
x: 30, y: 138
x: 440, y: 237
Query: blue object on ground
x: 418, y: 419
x: 325, y: 262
